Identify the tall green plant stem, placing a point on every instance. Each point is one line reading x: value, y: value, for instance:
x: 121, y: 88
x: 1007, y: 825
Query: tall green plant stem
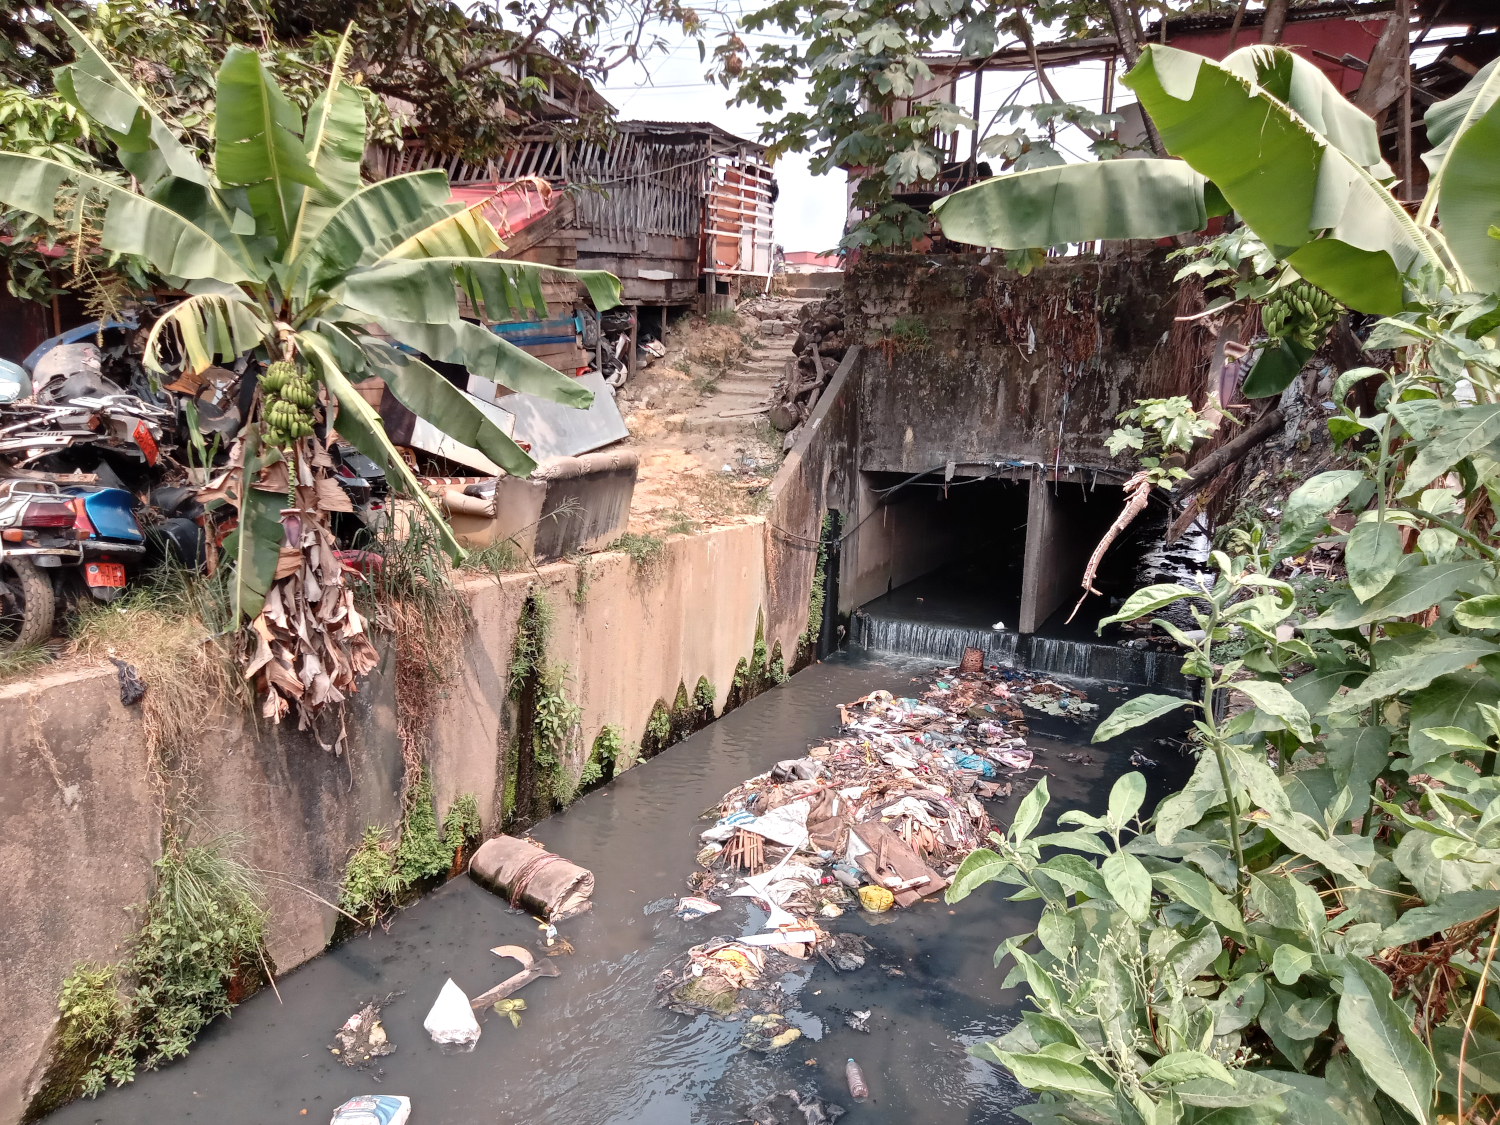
x: 1209, y: 683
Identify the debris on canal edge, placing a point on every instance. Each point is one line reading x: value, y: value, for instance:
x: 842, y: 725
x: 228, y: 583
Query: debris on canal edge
x: 362, y: 1037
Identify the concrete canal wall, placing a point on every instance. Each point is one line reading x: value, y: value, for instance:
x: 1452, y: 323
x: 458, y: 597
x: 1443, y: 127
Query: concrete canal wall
x: 80, y: 812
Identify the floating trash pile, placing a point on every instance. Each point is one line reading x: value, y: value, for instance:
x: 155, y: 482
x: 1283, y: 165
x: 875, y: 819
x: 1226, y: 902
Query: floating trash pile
x: 876, y: 818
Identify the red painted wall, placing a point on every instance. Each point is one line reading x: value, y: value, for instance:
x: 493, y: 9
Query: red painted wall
x: 1335, y: 36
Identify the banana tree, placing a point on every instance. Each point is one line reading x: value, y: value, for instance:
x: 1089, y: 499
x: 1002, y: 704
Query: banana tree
x: 285, y: 256
x: 1265, y: 134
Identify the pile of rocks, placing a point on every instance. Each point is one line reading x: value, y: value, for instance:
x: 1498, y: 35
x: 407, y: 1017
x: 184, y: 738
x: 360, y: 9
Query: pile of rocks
x: 820, y: 345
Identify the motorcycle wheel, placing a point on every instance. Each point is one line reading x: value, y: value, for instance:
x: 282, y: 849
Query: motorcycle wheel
x: 26, y: 605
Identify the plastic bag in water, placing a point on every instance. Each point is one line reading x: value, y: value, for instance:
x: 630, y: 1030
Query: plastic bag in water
x: 451, y: 1020
x: 373, y: 1109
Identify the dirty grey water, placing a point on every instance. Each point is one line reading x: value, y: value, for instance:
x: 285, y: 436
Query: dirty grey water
x: 593, y: 1047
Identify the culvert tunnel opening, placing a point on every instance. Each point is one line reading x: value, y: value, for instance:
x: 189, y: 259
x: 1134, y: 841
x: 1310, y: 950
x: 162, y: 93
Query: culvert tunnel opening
x: 997, y: 564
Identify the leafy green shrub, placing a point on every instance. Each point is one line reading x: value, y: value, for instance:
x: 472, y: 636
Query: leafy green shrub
x: 422, y: 853
x: 204, y: 927
x: 1309, y: 926
x: 372, y: 878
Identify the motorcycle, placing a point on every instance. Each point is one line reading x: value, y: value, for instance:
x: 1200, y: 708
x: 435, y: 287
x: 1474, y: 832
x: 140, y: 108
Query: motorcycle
x: 54, y: 540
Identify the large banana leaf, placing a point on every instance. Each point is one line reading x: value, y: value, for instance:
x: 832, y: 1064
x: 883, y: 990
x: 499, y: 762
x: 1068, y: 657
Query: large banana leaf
x: 1470, y: 203
x: 335, y: 147
x: 429, y: 396
x: 1446, y: 119
x: 464, y: 234
x: 258, y: 141
x: 359, y: 425
x: 490, y: 356
x: 149, y: 150
x: 1111, y: 199
x: 133, y: 224
x: 1307, y: 92
x: 210, y: 326
x: 371, y: 222
x: 1282, y: 178
x: 256, y: 540
x: 423, y: 289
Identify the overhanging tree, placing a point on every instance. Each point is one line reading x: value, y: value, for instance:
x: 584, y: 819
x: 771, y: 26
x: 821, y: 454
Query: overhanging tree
x: 283, y: 255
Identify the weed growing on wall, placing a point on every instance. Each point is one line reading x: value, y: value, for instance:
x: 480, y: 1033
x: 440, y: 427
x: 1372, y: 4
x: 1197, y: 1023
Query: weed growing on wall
x: 703, y: 699
x: 645, y: 551
x: 528, y: 653
x: 203, y: 928
x: 381, y: 873
x: 581, y: 577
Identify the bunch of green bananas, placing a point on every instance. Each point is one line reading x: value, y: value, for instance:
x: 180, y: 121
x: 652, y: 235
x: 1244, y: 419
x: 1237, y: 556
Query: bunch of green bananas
x: 288, y: 404
x: 1301, y: 312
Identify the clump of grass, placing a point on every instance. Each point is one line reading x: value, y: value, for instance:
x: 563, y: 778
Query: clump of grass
x: 723, y: 317
x: 203, y: 928
x: 528, y: 654
x: 709, y: 384
x: 682, y: 523
x: 380, y: 872
x: 582, y: 576
x: 645, y: 551
x: 171, y: 626
x: 496, y: 559
x: 18, y: 662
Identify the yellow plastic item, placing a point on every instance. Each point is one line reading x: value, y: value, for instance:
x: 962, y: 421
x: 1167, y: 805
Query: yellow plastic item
x: 877, y: 900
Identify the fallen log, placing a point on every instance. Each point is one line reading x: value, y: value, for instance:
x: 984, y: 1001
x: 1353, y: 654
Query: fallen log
x: 1231, y: 451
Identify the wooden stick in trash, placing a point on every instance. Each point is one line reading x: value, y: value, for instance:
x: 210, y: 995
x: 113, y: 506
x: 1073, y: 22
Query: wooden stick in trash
x: 532, y: 969
x: 897, y: 884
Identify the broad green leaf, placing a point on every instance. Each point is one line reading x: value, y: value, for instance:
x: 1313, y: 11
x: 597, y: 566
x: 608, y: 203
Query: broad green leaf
x: 1186, y: 885
x: 421, y: 289
x: 1378, y: 1033
x: 1149, y: 599
x: 1276, y: 900
x: 1357, y: 756
x: 133, y: 224
x: 1109, y: 199
x: 1449, y: 701
x: 1307, y: 1018
x: 1125, y: 798
x: 491, y: 356
x: 1372, y: 555
x: 258, y: 538
x: 1311, y: 502
x: 1129, y: 884
x: 1450, y: 910
x: 1189, y: 959
x: 1465, y: 432
x: 1351, y: 1091
x: 1289, y: 963
x: 1274, y: 699
x: 979, y: 867
x: 335, y: 143
x: 1482, y: 612
x: 1137, y: 712
x: 360, y: 426
x: 1185, y: 808
x: 1183, y: 1066
x: 370, y: 222
x: 1265, y: 787
x: 1459, y: 739
x: 463, y: 234
x: 1433, y: 655
x: 1277, y: 364
x: 258, y: 140
x: 1335, y: 266
x: 94, y: 85
x: 1055, y: 931
x: 1409, y: 592
x: 1239, y: 1004
x: 1445, y: 120
x: 1307, y: 92
x: 1286, y: 185
x: 1251, y: 1087
x: 1077, y: 841
x: 1037, y: 1072
x: 429, y: 396
x: 1076, y: 875
x: 1302, y: 835
x: 1481, y: 1062
x: 1468, y: 205
x: 1314, y: 689
x: 208, y: 328
x: 1276, y: 1022
x: 1029, y: 812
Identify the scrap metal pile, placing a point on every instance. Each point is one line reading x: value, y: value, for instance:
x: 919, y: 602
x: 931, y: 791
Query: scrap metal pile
x: 879, y: 817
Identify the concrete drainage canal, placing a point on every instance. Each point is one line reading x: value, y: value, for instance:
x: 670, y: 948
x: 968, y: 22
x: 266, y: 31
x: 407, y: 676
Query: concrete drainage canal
x: 595, y: 1044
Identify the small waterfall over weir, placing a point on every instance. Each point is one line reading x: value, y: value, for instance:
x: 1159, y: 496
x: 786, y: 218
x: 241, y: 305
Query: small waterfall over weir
x: 1076, y: 659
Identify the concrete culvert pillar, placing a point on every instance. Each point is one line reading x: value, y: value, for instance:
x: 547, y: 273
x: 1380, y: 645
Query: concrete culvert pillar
x: 1058, y: 544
